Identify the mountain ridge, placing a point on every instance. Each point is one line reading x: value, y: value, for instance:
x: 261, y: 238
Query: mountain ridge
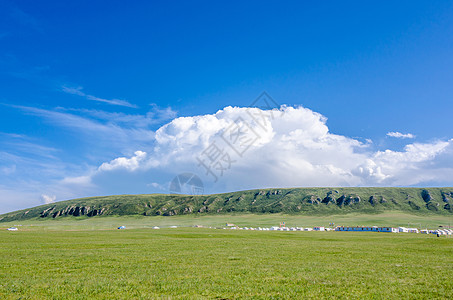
x: 303, y: 201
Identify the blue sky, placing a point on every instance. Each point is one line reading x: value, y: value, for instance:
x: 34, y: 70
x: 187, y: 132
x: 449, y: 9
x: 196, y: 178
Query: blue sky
x: 91, y: 93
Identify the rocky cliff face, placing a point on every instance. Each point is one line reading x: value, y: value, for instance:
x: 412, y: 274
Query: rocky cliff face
x: 72, y: 210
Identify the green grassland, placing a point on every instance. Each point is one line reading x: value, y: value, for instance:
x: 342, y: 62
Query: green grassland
x: 71, y: 249
x: 203, y: 263
x: 389, y: 218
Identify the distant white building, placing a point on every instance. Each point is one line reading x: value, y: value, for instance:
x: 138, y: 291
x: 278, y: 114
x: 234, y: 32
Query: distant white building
x: 12, y: 229
x: 318, y: 228
x: 402, y: 229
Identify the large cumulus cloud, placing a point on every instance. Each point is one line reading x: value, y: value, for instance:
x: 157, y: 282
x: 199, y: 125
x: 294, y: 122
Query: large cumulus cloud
x: 288, y: 147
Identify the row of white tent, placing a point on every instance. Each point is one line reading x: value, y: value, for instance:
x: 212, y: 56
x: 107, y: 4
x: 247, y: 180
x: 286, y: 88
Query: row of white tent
x: 347, y: 228
x: 276, y: 228
x: 438, y: 231
x: 376, y: 229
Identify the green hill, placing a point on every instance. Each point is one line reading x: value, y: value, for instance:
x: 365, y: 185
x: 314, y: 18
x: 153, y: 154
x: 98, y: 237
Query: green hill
x: 303, y: 201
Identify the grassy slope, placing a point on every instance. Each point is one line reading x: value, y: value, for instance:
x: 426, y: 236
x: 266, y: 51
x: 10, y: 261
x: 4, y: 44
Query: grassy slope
x: 190, y: 263
x: 301, y: 201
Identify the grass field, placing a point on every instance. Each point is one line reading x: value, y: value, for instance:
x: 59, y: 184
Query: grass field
x: 430, y: 221
x: 198, y: 263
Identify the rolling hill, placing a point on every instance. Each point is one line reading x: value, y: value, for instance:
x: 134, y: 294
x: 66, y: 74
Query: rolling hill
x: 304, y: 201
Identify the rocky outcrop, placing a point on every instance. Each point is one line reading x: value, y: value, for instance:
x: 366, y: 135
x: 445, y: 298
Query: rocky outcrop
x: 429, y: 200
x: 328, y: 199
x: 447, y: 197
x: 260, y: 193
x: 343, y: 200
x: 73, y: 210
x: 47, y: 212
x: 275, y: 192
x: 426, y: 196
x: 347, y: 200
x: 203, y: 209
x: 414, y: 206
x: 314, y: 200
x: 373, y: 200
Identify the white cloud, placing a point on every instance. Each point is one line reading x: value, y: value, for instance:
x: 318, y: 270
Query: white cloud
x: 47, y: 199
x: 418, y: 163
x: 78, y: 91
x: 130, y: 164
x: 157, y: 185
x: 294, y: 149
x: 400, y: 135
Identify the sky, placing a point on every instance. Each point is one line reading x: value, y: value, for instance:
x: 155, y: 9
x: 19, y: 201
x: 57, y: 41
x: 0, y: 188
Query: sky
x: 114, y: 97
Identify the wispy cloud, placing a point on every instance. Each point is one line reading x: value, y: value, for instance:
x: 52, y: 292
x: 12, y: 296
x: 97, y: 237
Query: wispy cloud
x: 400, y: 135
x: 30, y: 169
x: 12, y: 135
x: 78, y: 91
x: 108, y: 135
x: 156, y: 115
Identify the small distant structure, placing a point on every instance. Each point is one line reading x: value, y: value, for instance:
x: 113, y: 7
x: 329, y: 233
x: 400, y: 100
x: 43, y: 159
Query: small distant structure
x: 319, y: 228
x: 230, y: 225
x: 174, y: 226
x: 156, y: 227
x: 12, y: 229
x: 408, y: 230
x: 122, y: 227
x: 402, y: 229
x: 444, y: 232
